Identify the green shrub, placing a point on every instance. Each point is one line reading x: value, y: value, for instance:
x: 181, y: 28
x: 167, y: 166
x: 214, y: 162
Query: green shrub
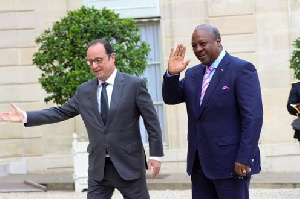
x: 295, y: 60
x: 62, y: 49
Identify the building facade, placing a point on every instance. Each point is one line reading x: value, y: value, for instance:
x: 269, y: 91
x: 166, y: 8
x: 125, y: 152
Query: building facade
x: 260, y: 31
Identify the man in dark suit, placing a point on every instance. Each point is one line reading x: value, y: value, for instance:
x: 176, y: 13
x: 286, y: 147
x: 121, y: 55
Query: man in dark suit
x: 294, y: 100
x: 225, y: 114
x: 116, y: 153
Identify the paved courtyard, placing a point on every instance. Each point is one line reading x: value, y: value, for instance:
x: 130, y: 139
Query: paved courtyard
x: 162, y: 194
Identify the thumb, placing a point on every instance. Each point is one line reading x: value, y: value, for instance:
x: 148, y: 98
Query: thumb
x: 186, y: 63
x: 17, y: 110
x: 15, y: 107
x: 149, y: 165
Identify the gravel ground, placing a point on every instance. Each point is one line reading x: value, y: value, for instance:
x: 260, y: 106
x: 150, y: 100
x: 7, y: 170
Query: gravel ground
x: 165, y: 194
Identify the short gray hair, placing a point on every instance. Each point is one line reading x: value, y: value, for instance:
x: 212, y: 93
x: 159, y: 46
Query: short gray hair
x: 213, y: 30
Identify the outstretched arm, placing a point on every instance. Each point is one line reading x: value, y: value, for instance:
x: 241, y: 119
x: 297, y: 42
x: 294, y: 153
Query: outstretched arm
x: 15, y: 116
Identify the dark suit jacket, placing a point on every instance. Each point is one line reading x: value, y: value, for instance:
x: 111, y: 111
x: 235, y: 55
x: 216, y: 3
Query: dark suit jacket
x: 294, y: 98
x: 226, y: 127
x: 121, y: 134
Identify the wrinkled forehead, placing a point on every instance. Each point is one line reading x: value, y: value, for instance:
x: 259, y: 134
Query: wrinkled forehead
x: 202, y: 34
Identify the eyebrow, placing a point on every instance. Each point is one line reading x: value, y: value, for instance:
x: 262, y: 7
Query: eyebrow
x: 96, y: 58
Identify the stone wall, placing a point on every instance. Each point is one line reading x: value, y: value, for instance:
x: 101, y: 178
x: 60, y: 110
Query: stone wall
x: 260, y: 31
x: 38, y: 149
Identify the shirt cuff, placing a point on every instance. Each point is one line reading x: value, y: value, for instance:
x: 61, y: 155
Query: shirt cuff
x: 25, y: 117
x: 155, y: 158
x: 168, y: 75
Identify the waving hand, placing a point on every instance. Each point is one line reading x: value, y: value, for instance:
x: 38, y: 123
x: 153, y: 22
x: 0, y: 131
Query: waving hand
x: 176, y: 60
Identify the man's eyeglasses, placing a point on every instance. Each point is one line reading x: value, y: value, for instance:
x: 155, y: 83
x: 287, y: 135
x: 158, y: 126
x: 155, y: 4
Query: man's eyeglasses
x: 97, y: 60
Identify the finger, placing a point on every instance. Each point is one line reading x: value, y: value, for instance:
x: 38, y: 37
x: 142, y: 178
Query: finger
x: 177, y: 51
x: 153, y: 175
x: 3, y: 116
x: 244, y: 172
x: 6, y: 117
x: 149, y: 165
x: 171, y: 53
x: 183, y: 51
x: 15, y: 107
x: 238, y: 170
x: 248, y: 169
x: 155, y: 172
x: 186, y: 63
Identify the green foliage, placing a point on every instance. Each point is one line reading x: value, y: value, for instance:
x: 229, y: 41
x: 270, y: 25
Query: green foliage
x: 62, y: 49
x: 295, y: 60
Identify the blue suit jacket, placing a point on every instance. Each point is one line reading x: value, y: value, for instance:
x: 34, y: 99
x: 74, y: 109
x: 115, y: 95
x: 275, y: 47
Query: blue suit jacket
x: 294, y: 98
x: 226, y: 127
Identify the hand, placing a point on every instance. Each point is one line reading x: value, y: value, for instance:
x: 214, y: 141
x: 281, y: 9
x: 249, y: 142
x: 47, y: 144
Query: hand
x: 156, y: 167
x: 15, y: 116
x: 242, y: 169
x: 176, y: 62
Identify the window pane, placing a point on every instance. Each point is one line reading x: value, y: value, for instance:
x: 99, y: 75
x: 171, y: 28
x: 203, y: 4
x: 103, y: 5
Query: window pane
x: 150, y: 34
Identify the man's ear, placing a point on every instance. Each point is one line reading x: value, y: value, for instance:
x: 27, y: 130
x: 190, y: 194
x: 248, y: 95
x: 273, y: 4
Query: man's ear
x: 219, y: 42
x: 113, y: 55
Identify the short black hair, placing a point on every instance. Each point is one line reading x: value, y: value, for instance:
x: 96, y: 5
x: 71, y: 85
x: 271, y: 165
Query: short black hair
x: 107, y: 46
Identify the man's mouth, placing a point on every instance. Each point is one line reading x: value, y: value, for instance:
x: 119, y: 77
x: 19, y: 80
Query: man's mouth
x: 97, y: 71
x: 201, y: 56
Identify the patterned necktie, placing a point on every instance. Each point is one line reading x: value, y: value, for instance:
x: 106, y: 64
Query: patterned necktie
x: 205, y: 82
x: 104, y: 103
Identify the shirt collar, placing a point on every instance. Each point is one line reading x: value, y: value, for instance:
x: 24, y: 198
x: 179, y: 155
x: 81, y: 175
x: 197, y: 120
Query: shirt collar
x: 111, y: 79
x: 218, y: 60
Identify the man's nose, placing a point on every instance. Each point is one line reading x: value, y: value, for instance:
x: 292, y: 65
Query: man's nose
x: 94, y: 64
x: 198, y: 47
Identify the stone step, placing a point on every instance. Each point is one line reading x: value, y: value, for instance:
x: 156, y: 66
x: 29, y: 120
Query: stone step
x: 4, y: 169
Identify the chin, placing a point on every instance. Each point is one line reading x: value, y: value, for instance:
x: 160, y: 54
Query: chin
x: 99, y: 77
x: 203, y: 62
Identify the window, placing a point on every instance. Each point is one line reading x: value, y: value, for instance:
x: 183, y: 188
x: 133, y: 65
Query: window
x: 149, y: 31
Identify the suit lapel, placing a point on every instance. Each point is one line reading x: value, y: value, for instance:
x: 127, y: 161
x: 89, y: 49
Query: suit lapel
x: 115, y: 97
x: 197, y: 85
x: 220, y: 71
x: 93, y: 98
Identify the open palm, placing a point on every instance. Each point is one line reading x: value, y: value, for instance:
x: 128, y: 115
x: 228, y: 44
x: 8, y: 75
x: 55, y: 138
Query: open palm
x: 176, y: 60
x: 15, y: 116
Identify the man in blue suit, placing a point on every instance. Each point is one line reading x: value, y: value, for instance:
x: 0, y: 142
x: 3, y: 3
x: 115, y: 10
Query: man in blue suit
x: 225, y: 115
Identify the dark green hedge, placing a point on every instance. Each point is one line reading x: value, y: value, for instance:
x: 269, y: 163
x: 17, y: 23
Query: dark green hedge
x: 62, y: 49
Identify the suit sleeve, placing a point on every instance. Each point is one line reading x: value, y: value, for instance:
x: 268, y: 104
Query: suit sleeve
x: 151, y: 121
x: 172, y: 89
x: 248, y: 93
x: 293, y: 99
x: 53, y: 114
